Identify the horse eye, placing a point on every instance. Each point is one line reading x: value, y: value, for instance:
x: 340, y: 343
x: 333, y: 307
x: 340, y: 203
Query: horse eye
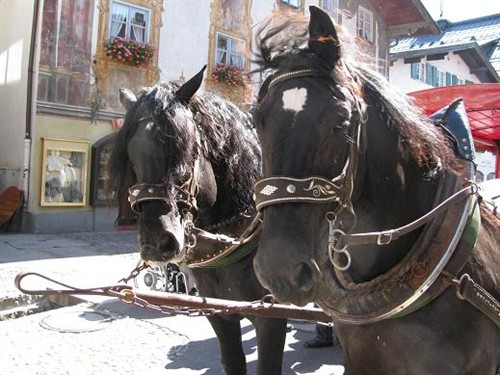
x: 342, y: 125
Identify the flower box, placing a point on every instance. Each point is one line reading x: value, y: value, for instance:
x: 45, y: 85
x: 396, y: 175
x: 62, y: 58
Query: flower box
x: 129, y: 52
x: 230, y: 75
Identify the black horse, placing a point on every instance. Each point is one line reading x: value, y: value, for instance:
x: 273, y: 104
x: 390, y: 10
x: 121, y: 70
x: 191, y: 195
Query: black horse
x: 346, y: 158
x: 190, y: 162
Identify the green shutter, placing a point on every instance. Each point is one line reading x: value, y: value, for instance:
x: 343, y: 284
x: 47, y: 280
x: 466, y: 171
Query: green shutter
x: 454, y: 79
x: 428, y: 74
x: 448, y: 79
x: 435, y: 78
x: 414, y: 70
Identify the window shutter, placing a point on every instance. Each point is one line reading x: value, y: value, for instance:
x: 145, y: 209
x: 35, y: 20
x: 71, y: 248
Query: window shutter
x: 454, y: 79
x: 435, y: 78
x: 448, y: 79
x: 428, y: 74
x: 414, y: 70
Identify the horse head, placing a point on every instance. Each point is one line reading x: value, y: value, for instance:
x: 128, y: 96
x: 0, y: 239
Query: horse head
x: 158, y: 157
x: 188, y: 161
x: 331, y: 161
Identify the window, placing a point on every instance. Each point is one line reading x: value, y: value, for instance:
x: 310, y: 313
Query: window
x: 433, y: 76
x: 129, y: 22
x: 229, y: 51
x: 418, y: 71
x: 441, y: 78
x: 65, y: 52
x: 365, y: 24
x: 332, y: 8
x: 292, y: 3
x: 101, y: 152
x: 64, y: 175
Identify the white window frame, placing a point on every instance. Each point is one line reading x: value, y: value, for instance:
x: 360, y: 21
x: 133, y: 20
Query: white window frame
x: 293, y: 3
x: 441, y: 78
x: 333, y: 9
x: 233, y: 54
x: 422, y: 68
x: 365, y: 24
x: 133, y: 29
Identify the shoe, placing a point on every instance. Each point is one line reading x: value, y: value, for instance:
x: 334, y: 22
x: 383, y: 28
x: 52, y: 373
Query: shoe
x: 315, y: 343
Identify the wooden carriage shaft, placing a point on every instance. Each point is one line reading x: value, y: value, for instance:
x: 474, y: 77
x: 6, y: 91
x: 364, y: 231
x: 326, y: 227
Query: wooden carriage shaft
x: 264, y: 309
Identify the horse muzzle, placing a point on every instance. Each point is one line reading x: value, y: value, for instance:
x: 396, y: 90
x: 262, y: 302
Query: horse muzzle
x: 294, y: 280
x: 163, y: 243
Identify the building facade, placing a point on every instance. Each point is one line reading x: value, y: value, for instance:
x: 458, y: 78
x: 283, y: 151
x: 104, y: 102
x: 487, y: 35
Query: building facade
x: 465, y: 52
x: 62, y: 63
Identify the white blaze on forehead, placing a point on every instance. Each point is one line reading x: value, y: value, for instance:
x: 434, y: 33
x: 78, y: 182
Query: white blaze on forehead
x: 294, y: 99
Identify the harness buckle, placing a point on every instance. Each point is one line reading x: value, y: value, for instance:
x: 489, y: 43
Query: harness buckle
x: 384, y: 238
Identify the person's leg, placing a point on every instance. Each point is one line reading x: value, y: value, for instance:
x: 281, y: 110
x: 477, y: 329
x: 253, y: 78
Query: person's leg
x: 323, y: 338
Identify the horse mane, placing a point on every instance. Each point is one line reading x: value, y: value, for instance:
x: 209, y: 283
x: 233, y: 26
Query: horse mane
x: 230, y: 143
x: 226, y: 139
x: 283, y: 47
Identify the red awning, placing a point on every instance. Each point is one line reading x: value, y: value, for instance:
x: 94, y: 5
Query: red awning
x: 482, y: 103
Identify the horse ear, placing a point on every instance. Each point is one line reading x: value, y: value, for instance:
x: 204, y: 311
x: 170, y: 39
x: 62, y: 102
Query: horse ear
x: 127, y: 98
x: 323, y: 39
x: 187, y: 90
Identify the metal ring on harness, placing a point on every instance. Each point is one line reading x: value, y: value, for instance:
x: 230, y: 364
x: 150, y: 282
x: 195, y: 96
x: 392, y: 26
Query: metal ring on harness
x: 334, y: 237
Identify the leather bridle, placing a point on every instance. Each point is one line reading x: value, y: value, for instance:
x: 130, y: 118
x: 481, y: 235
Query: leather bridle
x: 185, y: 194
x: 316, y: 189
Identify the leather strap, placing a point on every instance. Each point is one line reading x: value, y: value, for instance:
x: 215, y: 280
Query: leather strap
x: 387, y: 236
x: 467, y: 289
x: 282, y: 189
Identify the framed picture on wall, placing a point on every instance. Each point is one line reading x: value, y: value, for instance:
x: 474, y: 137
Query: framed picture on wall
x: 64, y: 173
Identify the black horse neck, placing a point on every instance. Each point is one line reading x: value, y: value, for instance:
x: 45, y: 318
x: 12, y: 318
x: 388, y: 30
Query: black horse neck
x: 395, y: 192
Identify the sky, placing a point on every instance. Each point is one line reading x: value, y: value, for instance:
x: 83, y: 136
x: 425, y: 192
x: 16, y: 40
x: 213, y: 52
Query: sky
x: 458, y: 10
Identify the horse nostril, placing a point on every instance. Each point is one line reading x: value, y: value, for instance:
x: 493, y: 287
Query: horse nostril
x: 304, y: 273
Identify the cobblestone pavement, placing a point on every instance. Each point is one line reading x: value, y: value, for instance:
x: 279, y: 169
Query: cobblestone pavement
x: 106, y: 336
